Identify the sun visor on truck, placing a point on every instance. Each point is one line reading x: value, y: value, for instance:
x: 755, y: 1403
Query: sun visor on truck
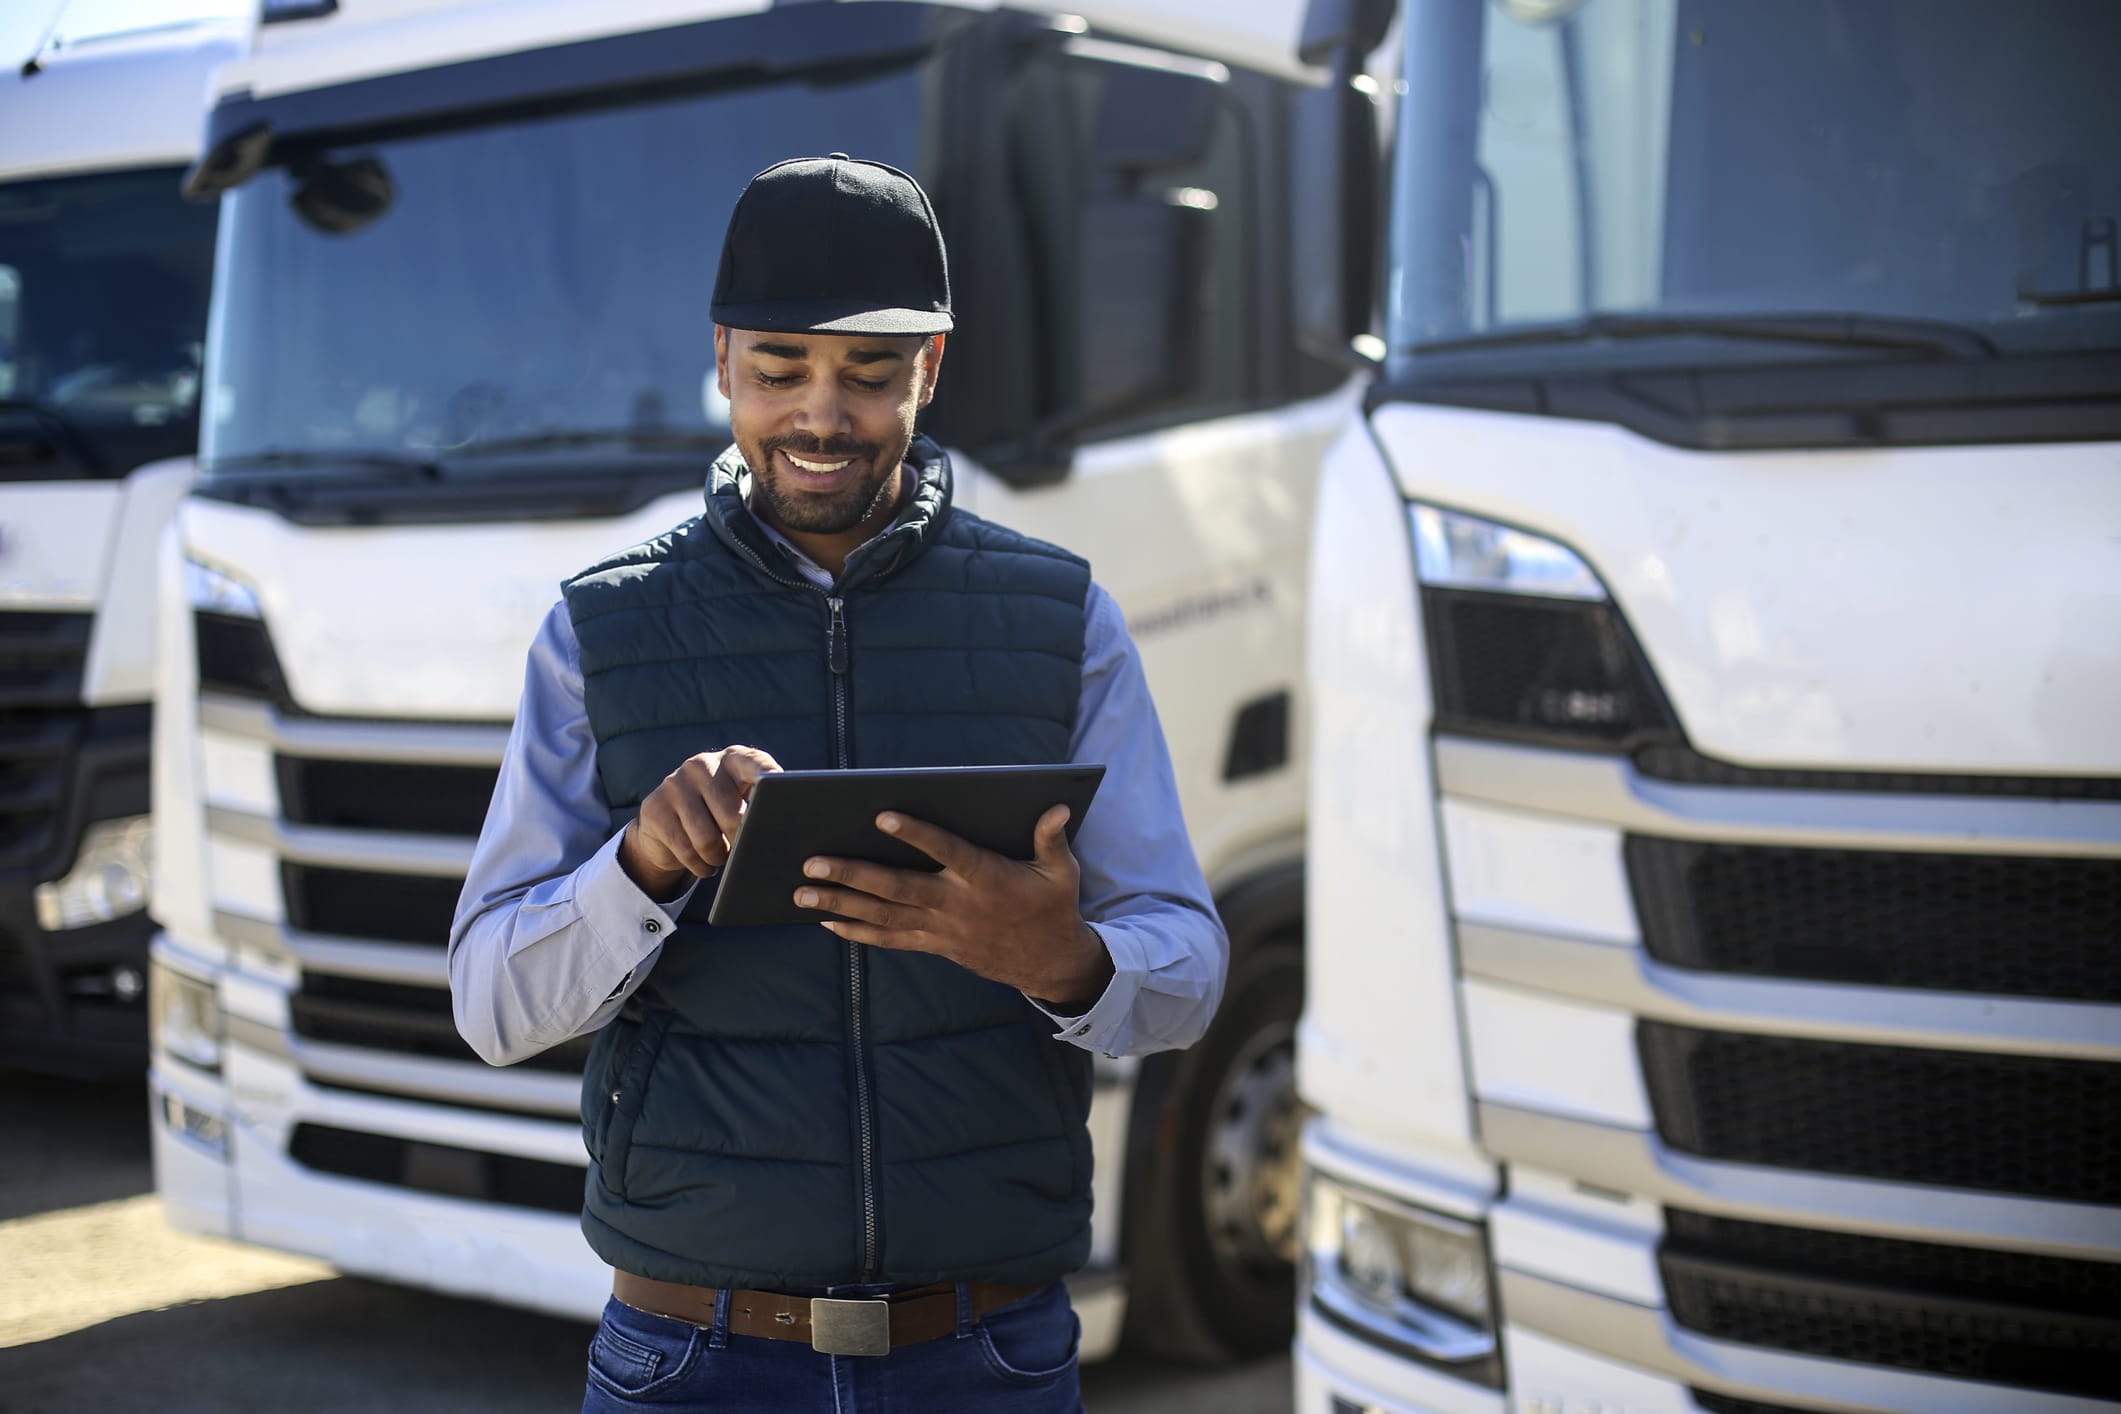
x: 245, y: 133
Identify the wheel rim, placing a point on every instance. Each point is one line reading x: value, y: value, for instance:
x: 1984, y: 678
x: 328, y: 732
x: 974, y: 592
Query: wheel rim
x: 1251, y: 1173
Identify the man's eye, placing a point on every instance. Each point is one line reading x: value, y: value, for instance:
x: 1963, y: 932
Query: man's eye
x: 872, y: 385
x: 776, y: 380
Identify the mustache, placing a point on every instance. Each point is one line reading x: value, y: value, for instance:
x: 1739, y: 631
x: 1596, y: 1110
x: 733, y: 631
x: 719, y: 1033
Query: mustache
x: 819, y: 448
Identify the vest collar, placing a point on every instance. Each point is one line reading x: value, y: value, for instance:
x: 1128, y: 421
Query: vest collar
x: 920, y: 523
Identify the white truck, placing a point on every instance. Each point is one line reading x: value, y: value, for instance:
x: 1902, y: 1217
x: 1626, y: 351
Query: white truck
x: 104, y: 273
x: 1714, y: 916
x: 461, y: 342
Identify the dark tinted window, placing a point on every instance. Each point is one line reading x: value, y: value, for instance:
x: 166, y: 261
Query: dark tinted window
x: 103, y: 298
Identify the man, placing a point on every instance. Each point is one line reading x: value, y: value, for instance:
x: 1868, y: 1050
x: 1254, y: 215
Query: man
x: 838, y: 1166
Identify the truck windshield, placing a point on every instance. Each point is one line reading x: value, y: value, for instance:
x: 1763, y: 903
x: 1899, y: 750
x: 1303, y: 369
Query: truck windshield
x: 522, y: 293
x: 1630, y: 174
x: 103, y: 298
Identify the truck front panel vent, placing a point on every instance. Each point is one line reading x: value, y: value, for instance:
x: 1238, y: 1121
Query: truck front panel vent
x: 357, y: 903
x: 439, y: 1168
x: 2010, y: 1318
x: 414, y: 1021
x: 2031, y: 1125
x: 385, y: 795
x: 2005, y: 925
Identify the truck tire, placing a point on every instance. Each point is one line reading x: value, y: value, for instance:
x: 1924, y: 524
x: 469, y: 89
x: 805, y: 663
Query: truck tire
x: 1215, y: 1219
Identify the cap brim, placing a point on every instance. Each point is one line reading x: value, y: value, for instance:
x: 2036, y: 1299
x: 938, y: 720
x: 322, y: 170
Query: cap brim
x: 831, y: 317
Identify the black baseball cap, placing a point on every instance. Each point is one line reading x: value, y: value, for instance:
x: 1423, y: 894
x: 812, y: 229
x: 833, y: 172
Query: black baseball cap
x: 833, y: 245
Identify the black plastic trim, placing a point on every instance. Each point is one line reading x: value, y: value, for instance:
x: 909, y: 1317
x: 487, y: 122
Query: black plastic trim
x: 1681, y: 764
x: 439, y: 1168
x: 1824, y: 403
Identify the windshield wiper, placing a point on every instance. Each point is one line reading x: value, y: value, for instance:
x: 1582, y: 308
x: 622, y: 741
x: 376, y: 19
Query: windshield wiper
x: 1871, y: 331
x: 409, y: 465
x: 568, y: 439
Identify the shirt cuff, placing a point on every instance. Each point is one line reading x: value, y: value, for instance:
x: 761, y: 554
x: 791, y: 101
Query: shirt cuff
x: 1103, y: 1028
x: 631, y: 924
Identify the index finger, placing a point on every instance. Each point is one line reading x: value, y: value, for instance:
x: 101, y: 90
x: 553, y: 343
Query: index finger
x: 946, y: 849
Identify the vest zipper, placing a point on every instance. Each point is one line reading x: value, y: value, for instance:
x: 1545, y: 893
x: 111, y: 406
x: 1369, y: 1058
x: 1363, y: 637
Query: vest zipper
x: 836, y: 660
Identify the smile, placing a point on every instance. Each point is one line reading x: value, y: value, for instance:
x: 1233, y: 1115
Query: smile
x: 817, y: 468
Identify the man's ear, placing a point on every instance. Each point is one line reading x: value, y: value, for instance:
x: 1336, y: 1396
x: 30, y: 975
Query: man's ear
x: 932, y: 358
x: 721, y: 361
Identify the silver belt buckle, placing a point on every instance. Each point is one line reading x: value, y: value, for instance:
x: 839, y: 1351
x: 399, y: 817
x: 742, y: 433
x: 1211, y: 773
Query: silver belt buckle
x: 850, y: 1327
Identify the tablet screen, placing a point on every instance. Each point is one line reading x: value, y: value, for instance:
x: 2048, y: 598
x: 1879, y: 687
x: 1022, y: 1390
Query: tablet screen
x: 794, y: 815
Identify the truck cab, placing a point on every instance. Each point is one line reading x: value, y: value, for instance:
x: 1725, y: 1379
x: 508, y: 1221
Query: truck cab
x: 1714, y: 1001
x: 462, y: 348
x: 104, y: 274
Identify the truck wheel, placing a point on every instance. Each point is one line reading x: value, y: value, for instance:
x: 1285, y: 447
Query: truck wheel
x: 1212, y: 1261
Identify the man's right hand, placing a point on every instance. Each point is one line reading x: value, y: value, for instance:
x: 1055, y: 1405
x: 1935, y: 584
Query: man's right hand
x: 687, y: 823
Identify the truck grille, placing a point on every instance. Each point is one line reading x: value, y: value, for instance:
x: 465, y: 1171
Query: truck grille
x: 41, y: 720
x: 1999, y: 924
x: 389, y: 1016
x: 2014, y: 1318
x: 2032, y: 1125
x: 439, y: 1168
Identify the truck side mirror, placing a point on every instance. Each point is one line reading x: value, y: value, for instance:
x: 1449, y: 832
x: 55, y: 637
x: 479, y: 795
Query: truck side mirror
x: 1334, y: 214
x: 1339, y: 172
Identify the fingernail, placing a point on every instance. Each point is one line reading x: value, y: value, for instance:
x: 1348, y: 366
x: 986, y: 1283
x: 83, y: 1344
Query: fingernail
x: 816, y: 868
x: 806, y: 897
x: 887, y: 823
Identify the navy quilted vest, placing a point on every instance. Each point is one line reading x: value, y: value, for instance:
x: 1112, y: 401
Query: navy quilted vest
x: 775, y: 1107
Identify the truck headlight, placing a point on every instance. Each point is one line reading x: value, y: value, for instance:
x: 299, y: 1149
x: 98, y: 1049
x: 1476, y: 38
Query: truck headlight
x: 109, y: 879
x: 183, y: 1017
x: 235, y: 651
x: 1524, y: 641
x: 1402, y: 1276
x: 215, y: 591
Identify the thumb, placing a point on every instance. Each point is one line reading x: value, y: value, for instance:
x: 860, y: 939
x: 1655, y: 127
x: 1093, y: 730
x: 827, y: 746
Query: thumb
x: 1049, y: 839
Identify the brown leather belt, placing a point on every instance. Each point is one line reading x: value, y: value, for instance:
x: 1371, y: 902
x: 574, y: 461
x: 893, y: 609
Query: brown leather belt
x: 834, y: 1325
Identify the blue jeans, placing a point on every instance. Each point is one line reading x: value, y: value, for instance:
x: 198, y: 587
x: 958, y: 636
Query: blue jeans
x: 1017, y: 1360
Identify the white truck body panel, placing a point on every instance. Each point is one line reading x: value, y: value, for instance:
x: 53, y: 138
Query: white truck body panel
x: 371, y: 38
x: 1762, y: 585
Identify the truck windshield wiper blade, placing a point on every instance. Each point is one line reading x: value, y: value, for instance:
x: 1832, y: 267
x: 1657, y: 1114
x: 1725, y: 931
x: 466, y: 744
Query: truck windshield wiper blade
x: 1871, y: 331
x: 568, y: 439
x: 322, y: 462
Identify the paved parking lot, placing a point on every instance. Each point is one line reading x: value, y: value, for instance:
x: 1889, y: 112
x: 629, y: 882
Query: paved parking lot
x: 103, y: 1309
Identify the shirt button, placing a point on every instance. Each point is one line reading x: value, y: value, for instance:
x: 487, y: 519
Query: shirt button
x: 652, y: 926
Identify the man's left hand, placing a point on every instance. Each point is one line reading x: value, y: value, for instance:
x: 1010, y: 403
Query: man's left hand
x: 1009, y: 921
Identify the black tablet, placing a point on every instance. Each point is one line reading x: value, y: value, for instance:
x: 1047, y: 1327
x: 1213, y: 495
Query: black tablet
x: 794, y: 815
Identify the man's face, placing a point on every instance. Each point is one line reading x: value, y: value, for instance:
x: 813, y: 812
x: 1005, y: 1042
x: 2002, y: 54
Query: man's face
x: 824, y: 420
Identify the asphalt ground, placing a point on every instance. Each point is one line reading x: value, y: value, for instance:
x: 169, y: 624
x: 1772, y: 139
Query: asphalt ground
x: 105, y: 1310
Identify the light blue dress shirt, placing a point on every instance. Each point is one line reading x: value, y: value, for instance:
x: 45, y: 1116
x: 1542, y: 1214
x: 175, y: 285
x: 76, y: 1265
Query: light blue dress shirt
x: 551, y: 936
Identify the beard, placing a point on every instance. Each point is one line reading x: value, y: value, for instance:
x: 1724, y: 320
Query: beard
x: 816, y: 513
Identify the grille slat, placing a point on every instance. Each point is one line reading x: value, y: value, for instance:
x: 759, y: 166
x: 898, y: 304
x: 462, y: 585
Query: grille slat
x: 439, y: 1168
x: 385, y: 795
x: 1995, y: 924
x: 2031, y: 1125
x: 358, y: 903
x: 2014, y: 1318
x: 405, y: 1020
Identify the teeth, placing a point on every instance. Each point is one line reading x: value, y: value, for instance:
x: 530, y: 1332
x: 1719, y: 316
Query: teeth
x: 817, y: 466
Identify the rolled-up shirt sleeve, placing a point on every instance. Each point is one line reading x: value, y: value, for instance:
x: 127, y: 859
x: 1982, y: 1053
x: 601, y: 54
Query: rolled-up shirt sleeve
x: 1142, y: 888
x: 550, y: 935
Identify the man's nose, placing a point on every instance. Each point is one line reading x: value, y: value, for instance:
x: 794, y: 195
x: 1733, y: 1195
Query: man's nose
x: 823, y: 411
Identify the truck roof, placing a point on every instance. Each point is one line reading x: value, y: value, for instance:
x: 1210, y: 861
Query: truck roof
x: 113, y: 101
x: 363, y: 39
